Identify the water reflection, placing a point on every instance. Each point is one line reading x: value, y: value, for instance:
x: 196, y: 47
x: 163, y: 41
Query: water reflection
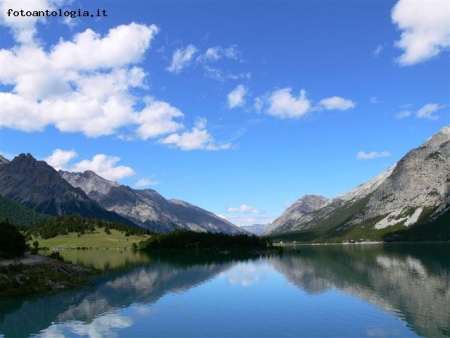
x: 143, y: 284
x: 412, y: 282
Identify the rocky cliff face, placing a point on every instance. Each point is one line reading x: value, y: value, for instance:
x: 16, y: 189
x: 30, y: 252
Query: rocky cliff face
x: 39, y: 187
x: 419, y: 181
x: 416, y: 190
x: 148, y: 208
x: 298, y: 212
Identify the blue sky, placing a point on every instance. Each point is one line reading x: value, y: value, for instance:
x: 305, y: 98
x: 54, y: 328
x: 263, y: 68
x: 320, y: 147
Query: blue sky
x: 240, y: 108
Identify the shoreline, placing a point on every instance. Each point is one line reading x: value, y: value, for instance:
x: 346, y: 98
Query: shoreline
x: 40, y: 275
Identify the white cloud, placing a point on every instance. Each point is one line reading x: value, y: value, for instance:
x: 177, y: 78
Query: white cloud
x: 362, y: 155
x: 426, y: 112
x: 197, y: 138
x: 284, y: 105
x: 246, y: 209
x: 105, y: 166
x: 87, y: 85
x: 425, y: 27
x: 72, y: 86
x: 336, y: 103
x: 403, y: 114
x: 214, y: 54
x: 181, y: 59
x: 377, y: 51
x: 24, y: 28
x: 145, y: 182
x: 60, y: 158
x: 156, y: 119
x: 122, y: 45
x: 236, y: 97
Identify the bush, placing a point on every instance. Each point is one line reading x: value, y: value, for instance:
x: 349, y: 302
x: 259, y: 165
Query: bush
x: 12, y: 242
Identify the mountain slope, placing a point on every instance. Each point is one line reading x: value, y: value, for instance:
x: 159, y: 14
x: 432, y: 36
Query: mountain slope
x: 408, y: 201
x: 296, y: 213
x: 18, y: 214
x: 147, y: 207
x: 39, y: 187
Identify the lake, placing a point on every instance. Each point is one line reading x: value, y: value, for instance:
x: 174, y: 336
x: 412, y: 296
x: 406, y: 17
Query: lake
x: 377, y: 290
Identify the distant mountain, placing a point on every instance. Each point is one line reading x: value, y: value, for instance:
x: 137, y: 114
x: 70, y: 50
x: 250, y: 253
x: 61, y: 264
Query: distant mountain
x: 255, y: 229
x: 39, y: 187
x: 146, y: 207
x: 410, y: 201
x: 299, y: 211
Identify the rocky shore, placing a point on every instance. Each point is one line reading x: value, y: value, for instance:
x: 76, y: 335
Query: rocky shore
x: 35, y: 274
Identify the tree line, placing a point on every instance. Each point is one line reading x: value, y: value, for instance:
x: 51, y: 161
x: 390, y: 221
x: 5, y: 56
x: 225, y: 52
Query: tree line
x: 62, y: 225
x: 191, y: 240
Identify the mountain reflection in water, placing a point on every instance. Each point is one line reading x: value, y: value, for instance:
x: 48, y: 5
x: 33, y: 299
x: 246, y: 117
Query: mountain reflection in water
x: 411, y: 282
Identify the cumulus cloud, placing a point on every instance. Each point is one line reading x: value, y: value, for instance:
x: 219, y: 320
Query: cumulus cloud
x: 246, y: 209
x: 426, y: 112
x: 24, y: 28
x: 60, y: 158
x: 73, y: 86
x: 104, y: 165
x: 122, y: 45
x: 425, y: 27
x: 182, y: 58
x: 86, y: 84
x: 362, y: 155
x: 197, y: 138
x: 336, y: 103
x: 236, y: 97
x: 156, y: 119
x: 283, y: 104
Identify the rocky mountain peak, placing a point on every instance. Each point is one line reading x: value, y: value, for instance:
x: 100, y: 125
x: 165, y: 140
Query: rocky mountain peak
x: 308, y: 203
x: 3, y: 160
x: 91, y: 183
x: 414, y: 192
x: 438, y: 139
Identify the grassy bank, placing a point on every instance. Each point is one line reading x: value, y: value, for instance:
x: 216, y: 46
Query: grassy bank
x: 98, y: 239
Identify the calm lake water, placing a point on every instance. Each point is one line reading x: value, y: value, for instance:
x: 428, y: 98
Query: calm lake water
x: 324, y: 291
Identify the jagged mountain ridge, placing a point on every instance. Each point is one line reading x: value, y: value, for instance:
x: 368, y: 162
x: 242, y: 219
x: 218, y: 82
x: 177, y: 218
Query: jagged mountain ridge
x: 416, y: 190
x: 146, y: 207
x: 38, y: 186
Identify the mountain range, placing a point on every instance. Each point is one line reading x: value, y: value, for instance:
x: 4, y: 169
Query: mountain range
x: 409, y: 201
x: 146, y: 207
x: 38, y: 186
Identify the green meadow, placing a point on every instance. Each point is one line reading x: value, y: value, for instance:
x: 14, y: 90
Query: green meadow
x: 97, y: 239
